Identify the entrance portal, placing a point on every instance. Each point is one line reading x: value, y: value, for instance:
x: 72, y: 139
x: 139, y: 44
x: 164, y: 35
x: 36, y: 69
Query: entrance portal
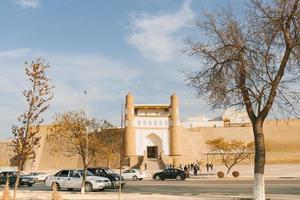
x: 152, y: 151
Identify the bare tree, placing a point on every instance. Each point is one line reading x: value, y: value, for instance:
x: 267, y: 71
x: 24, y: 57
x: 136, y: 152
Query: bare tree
x: 251, y: 61
x: 232, y: 152
x: 76, y: 134
x: 38, y: 97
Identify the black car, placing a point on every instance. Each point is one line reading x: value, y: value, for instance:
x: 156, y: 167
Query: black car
x: 12, y: 176
x: 170, y: 174
x: 110, y: 174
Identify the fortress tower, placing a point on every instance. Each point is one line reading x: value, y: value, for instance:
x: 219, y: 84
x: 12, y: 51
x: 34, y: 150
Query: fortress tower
x: 129, y: 127
x: 152, y: 132
x: 175, y: 150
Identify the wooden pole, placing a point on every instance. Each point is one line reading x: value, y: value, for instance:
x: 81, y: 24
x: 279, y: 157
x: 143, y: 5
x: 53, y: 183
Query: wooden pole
x: 121, y: 146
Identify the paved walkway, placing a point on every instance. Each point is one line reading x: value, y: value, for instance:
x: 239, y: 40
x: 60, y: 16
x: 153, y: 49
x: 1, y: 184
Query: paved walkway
x: 95, y: 196
x: 246, y: 171
x: 280, y: 170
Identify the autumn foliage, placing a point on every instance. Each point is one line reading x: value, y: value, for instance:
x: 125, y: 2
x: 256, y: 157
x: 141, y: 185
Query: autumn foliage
x: 79, y: 135
x: 232, y: 152
x: 25, y: 132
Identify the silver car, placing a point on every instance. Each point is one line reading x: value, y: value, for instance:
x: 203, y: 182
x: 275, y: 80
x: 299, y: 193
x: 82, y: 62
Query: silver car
x: 38, y: 176
x: 71, y: 179
x: 133, y: 174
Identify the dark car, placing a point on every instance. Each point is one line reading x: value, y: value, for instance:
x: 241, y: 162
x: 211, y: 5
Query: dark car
x: 12, y: 176
x: 110, y: 174
x: 170, y: 174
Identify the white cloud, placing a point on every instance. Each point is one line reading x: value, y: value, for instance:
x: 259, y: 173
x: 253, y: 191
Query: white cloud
x: 15, y: 53
x: 105, y: 79
x: 28, y: 3
x: 158, y: 37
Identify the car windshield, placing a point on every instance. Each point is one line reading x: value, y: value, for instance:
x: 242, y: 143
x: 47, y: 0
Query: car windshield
x: 109, y: 171
x: 87, y: 173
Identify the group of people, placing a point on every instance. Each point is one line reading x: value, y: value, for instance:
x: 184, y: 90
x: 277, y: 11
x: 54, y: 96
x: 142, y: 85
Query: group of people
x: 195, y: 167
x: 209, y: 167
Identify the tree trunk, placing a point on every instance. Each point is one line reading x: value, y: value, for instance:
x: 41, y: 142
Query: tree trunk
x: 83, y: 182
x: 16, y: 184
x: 259, y: 166
x: 20, y: 168
x: 83, y: 176
x: 109, y: 161
x: 228, y: 171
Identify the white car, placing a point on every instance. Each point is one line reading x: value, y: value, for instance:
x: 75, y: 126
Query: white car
x: 133, y: 174
x: 71, y: 179
x: 38, y: 176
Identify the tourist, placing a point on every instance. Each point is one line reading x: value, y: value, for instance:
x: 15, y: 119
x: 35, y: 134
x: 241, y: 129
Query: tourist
x: 195, y: 170
x: 185, y: 168
x: 207, y: 167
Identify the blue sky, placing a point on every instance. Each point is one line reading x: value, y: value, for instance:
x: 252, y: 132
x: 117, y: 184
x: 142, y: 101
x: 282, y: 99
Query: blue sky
x: 107, y: 48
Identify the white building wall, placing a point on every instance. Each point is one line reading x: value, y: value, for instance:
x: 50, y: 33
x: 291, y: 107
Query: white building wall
x: 195, y: 124
x: 145, y: 126
x: 142, y: 141
x: 236, y: 116
x: 151, y: 122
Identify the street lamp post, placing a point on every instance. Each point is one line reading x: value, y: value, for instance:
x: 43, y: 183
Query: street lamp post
x: 87, y: 132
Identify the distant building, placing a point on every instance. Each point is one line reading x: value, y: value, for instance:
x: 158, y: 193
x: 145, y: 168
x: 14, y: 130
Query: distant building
x: 230, y: 117
x: 202, y: 121
x: 233, y: 117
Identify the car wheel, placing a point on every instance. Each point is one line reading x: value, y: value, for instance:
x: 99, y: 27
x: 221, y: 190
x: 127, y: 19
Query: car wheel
x: 157, y: 178
x: 178, y: 178
x: 29, y: 185
x: 70, y: 189
x: 135, y: 178
x: 55, y: 185
x: 88, y: 187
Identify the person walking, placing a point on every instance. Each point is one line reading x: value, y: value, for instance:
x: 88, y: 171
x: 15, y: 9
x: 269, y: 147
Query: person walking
x: 180, y: 166
x: 185, y: 168
x: 211, y: 166
x: 195, y: 170
x: 207, y: 167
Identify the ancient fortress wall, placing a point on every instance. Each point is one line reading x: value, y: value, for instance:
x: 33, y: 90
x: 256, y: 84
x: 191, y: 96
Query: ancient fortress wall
x: 6, y: 152
x: 282, y: 140
x: 50, y: 160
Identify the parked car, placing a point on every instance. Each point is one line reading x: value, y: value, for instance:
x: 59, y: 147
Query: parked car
x: 133, y: 174
x: 170, y: 174
x: 38, y: 176
x: 71, y: 179
x: 12, y: 176
x: 110, y: 174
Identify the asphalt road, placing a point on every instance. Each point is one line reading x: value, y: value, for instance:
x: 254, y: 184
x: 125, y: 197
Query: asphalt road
x: 198, y: 187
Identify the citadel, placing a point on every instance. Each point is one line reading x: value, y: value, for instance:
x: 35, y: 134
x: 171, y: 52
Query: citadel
x: 154, y: 136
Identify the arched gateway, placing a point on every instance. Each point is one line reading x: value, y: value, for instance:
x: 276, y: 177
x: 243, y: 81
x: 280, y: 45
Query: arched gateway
x: 152, y: 131
x: 153, y: 146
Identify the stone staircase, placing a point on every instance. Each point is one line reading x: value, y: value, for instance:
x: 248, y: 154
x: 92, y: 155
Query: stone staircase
x: 152, y: 167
